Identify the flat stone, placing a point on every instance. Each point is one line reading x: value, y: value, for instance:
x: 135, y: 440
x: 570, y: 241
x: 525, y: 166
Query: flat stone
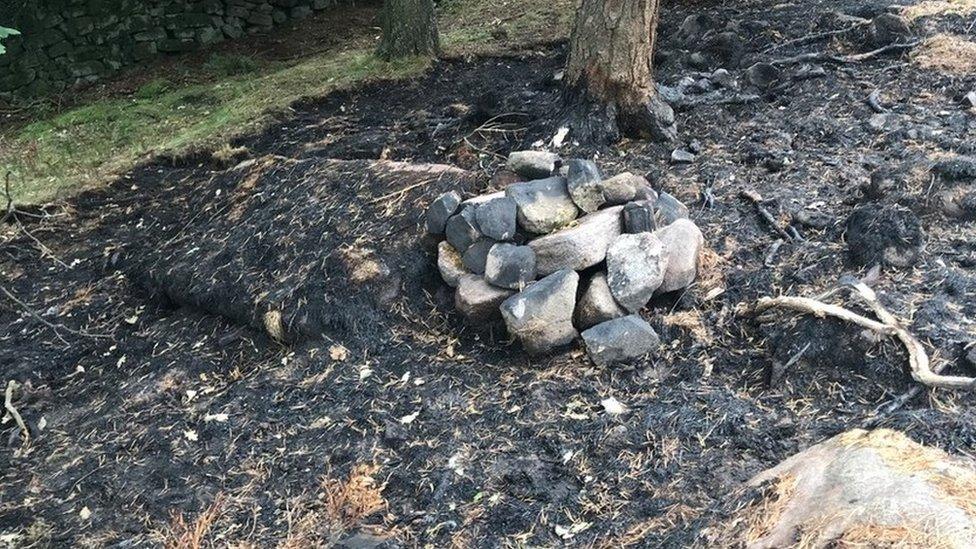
x: 449, y: 264
x: 544, y: 205
x: 636, y: 264
x: 681, y: 156
x: 496, y: 218
x: 462, y: 230
x: 533, y: 164
x: 579, y: 246
x: 541, y: 316
x: 620, y: 340
x: 583, y: 181
x: 624, y: 187
x: 510, y: 266
x: 682, y: 241
x: 440, y: 210
x: 597, y: 304
x: 476, y: 255
x: 477, y: 300
x: 970, y: 100
x: 668, y: 209
x: 639, y: 217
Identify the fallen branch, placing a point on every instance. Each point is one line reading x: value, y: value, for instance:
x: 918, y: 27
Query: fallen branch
x: 843, y: 59
x: 874, y: 101
x: 918, y: 359
x: 8, y: 404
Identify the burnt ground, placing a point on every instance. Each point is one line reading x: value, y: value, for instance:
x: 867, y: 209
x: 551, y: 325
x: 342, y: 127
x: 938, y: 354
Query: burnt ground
x: 166, y: 405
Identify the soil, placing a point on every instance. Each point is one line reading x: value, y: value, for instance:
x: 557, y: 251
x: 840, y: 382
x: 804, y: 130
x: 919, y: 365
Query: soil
x: 232, y: 343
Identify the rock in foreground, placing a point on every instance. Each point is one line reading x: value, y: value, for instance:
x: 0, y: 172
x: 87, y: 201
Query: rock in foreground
x: 858, y: 489
x: 477, y: 300
x: 533, y: 164
x: 682, y: 241
x: 597, y: 304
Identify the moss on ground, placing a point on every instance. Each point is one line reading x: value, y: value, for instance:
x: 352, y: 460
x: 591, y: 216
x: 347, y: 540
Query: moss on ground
x: 60, y: 152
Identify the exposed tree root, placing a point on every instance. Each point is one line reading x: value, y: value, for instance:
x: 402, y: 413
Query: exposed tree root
x: 918, y: 359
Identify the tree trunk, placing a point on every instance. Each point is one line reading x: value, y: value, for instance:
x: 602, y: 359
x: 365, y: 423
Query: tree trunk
x: 409, y: 28
x: 609, y: 88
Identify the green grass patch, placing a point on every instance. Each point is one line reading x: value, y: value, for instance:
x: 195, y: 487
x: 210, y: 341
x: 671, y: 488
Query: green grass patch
x: 61, y: 153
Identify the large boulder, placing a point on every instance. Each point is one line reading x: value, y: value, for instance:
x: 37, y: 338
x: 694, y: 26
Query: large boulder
x: 597, y: 304
x: 682, y: 241
x: 544, y: 205
x: 533, y: 164
x: 580, y: 246
x: 858, y: 489
x: 636, y: 264
x: 583, y: 181
x: 510, y: 266
x: 620, y: 340
x: 450, y: 264
x: 440, y: 210
x: 541, y: 316
x: 477, y: 300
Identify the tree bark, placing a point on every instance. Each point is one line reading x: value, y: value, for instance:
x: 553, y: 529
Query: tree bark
x: 409, y: 28
x: 609, y: 87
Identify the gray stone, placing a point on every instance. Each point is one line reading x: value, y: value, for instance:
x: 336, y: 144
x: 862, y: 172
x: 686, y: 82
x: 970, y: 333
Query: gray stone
x: 681, y: 156
x: 624, y: 187
x: 597, y: 304
x: 541, y: 316
x: 510, y: 266
x: 636, y: 264
x: 449, y: 264
x: 579, y: 246
x: 544, y: 205
x: 476, y: 255
x: 723, y: 78
x: 860, y: 488
x: 639, y: 217
x: 462, y: 230
x: 482, y: 199
x: 533, y: 164
x: 668, y: 209
x: 477, y: 300
x: 970, y: 100
x: 583, y: 181
x: 496, y: 218
x: 682, y: 241
x: 620, y: 340
x: 440, y: 210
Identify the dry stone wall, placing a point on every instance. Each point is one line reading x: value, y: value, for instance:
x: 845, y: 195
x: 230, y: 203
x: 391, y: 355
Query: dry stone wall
x: 68, y: 42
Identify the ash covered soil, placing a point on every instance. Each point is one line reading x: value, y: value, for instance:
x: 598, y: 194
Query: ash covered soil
x: 376, y: 415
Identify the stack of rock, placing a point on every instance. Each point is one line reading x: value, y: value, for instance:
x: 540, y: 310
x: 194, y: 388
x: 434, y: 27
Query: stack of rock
x: 517, y: 255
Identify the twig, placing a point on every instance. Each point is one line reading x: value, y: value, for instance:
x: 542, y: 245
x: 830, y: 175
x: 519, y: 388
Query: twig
x: 47, y: 323
x: 757, y: 200
x: 8, y: 403
x: 772, y: 252
x: 818, y: 36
